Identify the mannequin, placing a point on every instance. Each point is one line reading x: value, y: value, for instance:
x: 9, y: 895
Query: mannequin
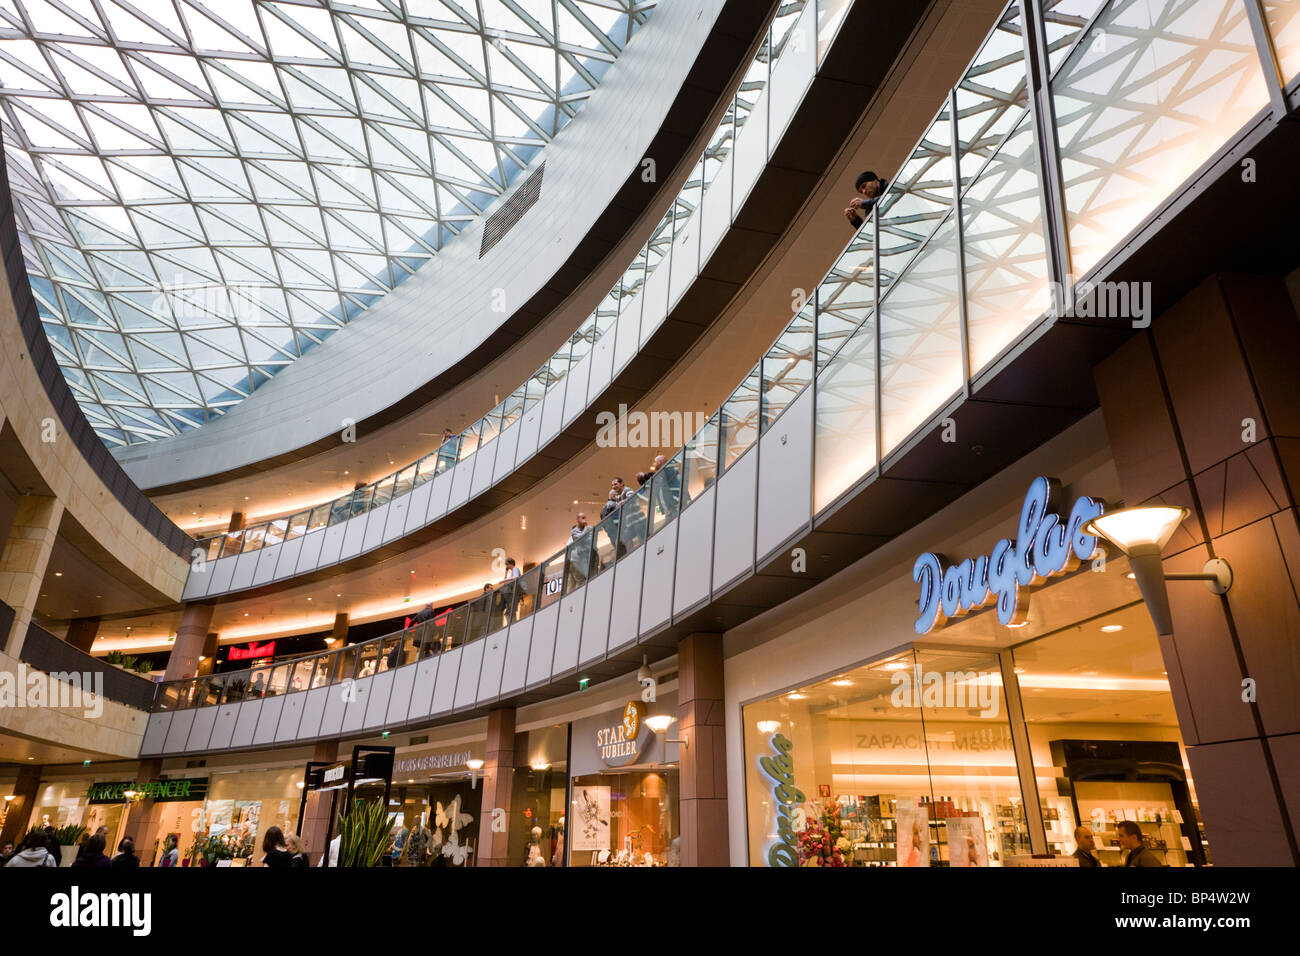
x: 535, y: 857
x: 417, y: 844
x: 557, y: 839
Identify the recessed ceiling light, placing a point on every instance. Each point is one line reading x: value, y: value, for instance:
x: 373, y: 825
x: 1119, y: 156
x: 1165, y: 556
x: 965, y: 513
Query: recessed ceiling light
x: 797, y: 696
x: 1112, y: 628
x: 58, y: 574
x: 841, y: 683
x: 1130, y: 575
x: 895, y: 666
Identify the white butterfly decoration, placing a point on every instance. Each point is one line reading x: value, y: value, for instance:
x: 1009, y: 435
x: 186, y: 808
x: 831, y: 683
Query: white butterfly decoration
x: 451, y: 819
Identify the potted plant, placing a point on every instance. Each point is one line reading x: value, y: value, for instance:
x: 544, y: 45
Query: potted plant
x: 68, y: 837
x: 364, y: 833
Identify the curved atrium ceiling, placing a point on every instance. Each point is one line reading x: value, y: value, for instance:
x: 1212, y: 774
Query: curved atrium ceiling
x: 206, y: 190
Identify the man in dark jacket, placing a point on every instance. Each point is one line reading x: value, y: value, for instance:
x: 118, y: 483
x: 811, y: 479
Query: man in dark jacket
x: 1130, y: 840
x: 92, y: 855
x: 126, y: 858
x: 869, y: 187
x: 1085, y: 844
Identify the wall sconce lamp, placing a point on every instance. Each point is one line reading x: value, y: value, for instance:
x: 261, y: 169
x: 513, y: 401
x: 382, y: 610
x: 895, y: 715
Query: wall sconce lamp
x: 660, y: 723
x: 475, y: 765
x: 1141, y: 534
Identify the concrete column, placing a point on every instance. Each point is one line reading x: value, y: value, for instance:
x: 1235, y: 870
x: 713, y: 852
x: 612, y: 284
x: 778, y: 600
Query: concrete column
x: 24, y: 560
x: 340, y: 636
x: 25, y: 792
x: 316, y: 815
x: 191, y: 635
x: 236, y: 522
x: 703, y: 759
x: 143, y: 816
x: 1203, y: 411
x: 81, y: 633
x: 210, y: 645
x: 498, y: 776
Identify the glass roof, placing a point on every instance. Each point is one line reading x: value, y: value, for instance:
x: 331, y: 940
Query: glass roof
x: 207, y: 190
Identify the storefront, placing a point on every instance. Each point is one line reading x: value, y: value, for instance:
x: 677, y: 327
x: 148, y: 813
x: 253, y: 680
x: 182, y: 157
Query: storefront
x: 624, y: 789
x: 436, y: 799
x: 985, y: 730
x: 538, y: 821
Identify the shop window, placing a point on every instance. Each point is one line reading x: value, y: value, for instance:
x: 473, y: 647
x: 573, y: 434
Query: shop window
x: 1105, y: 742
x: 537, y: 814
x: 906, y: 761
x: 625, y: 819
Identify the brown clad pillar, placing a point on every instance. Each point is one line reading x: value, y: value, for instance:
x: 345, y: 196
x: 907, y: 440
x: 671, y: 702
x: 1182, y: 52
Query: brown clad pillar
x: 1203, y: 411
x: 703, y: 759
x: 318, y: 809
x: 191, y: 635
x: 498, y: 776
x: 19, y: 810
x: 82, y: 632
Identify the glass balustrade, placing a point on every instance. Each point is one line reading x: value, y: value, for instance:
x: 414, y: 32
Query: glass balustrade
x: 892, y: 339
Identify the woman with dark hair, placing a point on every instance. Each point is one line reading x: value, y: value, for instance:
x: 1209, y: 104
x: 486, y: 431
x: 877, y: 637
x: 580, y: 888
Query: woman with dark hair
x: 277, y: 854
x: 93, y: 854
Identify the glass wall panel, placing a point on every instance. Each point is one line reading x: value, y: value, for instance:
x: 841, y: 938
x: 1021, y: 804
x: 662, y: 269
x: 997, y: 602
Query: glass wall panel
x: 920, y: 340
x: 632, y: 522
x: 665, y: 493
x: 992, y: 96
x: 864, y: 770
x: 1283, y: 18
x: 526, y: 594
x: 830, y: 14
x: 788, y: 366
x: 552, y: 581
x: 605, y: 544
x: 740, y: 419
x: 844, y: 441
x: 720, y: 145
x: 847, y: 296
x: 1007, y: 280
x: 1105, y: 740
x: 916, y: 200
x: 577, y: 563
x: 1064, y: 21
x: 1154, y: 90
x: 701, y: 463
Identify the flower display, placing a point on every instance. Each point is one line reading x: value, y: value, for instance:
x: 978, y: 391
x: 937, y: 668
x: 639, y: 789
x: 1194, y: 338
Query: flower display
x: 821, y: 842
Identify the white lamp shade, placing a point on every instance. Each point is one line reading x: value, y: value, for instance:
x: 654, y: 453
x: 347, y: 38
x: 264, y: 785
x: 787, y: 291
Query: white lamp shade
x: 1138, y: 529
x: 659, y: 722
x: 474, y: 763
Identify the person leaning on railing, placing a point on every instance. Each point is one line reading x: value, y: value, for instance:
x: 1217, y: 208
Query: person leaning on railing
x: 869, y: 188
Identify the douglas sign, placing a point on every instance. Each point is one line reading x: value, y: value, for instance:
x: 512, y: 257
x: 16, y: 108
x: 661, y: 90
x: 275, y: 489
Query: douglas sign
x: 1046, y: 546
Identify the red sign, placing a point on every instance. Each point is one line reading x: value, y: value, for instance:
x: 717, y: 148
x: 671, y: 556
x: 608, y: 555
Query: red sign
x: 265, y: 649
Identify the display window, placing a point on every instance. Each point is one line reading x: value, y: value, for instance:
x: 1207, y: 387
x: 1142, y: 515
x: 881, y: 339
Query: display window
x: 436, y: 821
x: 624, y: 789
x: 1105, y: 741
x: 228, y: 828
x: 537, y: 801
x: 906, y: 761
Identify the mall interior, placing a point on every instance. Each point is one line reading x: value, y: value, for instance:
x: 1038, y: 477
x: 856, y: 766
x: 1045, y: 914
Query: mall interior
x: 907, y: 473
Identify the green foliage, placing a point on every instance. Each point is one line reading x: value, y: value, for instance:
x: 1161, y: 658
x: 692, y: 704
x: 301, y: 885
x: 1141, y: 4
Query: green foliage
x: 69, y: 835
x: 143, y: 666
x: 364, y: 833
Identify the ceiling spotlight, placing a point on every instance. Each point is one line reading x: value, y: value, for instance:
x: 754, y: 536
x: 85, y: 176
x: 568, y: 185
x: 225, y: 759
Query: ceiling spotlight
x: 474, y: 763
x: 1112, y: 628
x: 769, y: 726
x: 841, y: 683
x: 797, y: 696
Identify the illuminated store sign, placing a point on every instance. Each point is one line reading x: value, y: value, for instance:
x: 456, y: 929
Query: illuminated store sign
x: 448, y: 760
x: 1045, y: 546
x: 252, y: 651
x: 161, y: 790
x: 787, y: 799
x: 623, y: 742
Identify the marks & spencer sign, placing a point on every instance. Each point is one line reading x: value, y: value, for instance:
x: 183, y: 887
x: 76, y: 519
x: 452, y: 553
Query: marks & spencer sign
x: 1046, y: 545
x: 162, y: 790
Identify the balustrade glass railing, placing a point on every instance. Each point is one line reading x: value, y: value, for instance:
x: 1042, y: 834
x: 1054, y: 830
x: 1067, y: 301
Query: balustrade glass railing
x: 963, y: 272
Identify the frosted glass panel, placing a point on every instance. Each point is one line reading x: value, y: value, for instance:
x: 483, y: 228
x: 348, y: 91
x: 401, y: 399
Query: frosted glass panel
x: 1148, y: 96
x: 844, y: 437
x: 920, y: 339
x: 1283, y: 18
x: 847, y: 295
x: 1006, y: 258
x: 992, y: 96
x: 916, y: 200
x: 830, y: 14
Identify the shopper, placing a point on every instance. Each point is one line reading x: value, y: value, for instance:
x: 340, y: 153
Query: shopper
x: 54, y: 847
x: 579, y: 526
x: 512, y: 571
x: 297, y: 855
x: 621, y: 492
x: 171, y: 856
x: 277, y: 854
x: 610, y: 506
x: 1084, y: 845
x: 101, y: 832
x: 35, y: 853
x: 1130, y: 840
x: 7, y: 852
x: 92, y: 853
x: 869, y: 187
x: 126, y: 858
